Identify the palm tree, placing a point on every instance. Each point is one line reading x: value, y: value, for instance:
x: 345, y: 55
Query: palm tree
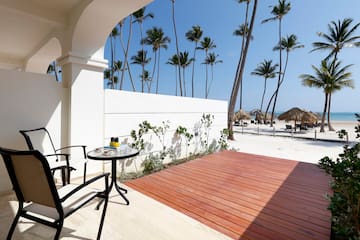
x: 265, y: 70
x: 184, y: 63
x: 211, y: 60
x: 243, y: 30
x: 114, y: 33
x: 117, y: 68
x: 194, y: 35
x: 279, y: 12
x: 142, y: 60
x: 176, y: 43
x: 288, y: 44
x: 341, y: 35
x: 239, y: 73
x: 155, y: 37
x: 126, y: 52
x: 145, y: 76
x: 174, y: 62
x: 140, y: 17
x: 52, y: 68
x: 330, y: 77
x: 112, y: 80
x: 206, y: 44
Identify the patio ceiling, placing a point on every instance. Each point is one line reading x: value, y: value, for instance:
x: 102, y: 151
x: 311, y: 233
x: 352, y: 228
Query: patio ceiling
x: 25, y: 25
x: 35, y: 32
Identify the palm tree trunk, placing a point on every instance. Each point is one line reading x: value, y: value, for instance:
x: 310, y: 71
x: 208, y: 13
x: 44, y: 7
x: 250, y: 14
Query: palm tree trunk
x: 279, y: 79
x: 206, y: 76
x: 328, y: 114
x: 112, y: 64
x: 130, y: 75
x: 184, y: 81
x: 193, y: 71
x: 324, y: 113
x: 235, y: 88
x: 262, y: 99
x: 142, y: 65
x: 153, y: 72
x: 126, y: 57
x: 158, y: 73
x: 242, y: 50
x: 176, y: 82
x: 212, y: 78
x: 281, y: 82
x: 55, y: 71
x: 177, y: 44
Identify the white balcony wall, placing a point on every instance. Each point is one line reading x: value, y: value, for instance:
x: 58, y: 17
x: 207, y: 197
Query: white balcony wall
x: 28, y: 100
x: 124, y: 111
x: 31, y: 100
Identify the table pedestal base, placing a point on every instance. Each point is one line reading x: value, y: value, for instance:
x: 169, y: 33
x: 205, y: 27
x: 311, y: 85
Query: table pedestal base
x: 114, y: 183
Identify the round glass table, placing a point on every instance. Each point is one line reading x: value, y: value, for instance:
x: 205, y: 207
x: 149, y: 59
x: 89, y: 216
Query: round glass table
x: 114, y: 154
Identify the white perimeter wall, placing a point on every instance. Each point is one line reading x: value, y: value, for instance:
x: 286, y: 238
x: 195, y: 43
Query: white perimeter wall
x: 27, y: 100
x: 30, y: 100
x: 125, y: 110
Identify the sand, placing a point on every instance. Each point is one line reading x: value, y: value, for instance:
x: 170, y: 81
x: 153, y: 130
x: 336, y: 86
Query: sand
x: 300, y: 146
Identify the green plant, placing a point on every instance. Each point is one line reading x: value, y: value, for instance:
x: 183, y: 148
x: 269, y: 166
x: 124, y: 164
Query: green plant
x: 222, y: 141
x: 160, y: 132
x: 152, y: 163
x: 182, y: 131
x: 137, y: 136
x: 206, y: 122
x: 345, y: 201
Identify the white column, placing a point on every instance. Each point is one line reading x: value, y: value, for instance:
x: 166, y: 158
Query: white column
x: 83, y: 77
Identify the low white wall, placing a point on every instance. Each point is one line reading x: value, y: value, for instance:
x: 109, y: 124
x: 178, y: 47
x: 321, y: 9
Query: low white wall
x: 30, y: 100
x: 124, y: 111
x: 27, y: 100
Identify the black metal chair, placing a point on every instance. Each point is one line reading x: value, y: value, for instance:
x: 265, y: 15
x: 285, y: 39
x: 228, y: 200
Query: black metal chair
x: 40, y: 139
x: 39, y: 200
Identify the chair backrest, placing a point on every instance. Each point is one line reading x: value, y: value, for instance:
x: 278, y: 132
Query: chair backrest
x: 31, y: 177
x: 39, y: 139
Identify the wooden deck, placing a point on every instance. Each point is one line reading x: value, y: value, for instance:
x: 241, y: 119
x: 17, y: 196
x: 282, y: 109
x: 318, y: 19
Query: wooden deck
x: 246, y: 196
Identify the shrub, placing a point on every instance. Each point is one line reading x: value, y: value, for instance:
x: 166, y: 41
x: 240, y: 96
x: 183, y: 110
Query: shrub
x: 345, y: 201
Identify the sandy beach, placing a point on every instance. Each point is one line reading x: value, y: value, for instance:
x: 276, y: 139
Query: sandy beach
x: 300, y: 146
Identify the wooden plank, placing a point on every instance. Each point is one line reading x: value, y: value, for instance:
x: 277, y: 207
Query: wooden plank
x: 246, y: 196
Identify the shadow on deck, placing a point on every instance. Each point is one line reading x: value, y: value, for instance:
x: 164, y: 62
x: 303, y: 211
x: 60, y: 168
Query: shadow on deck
x: 246, y: 196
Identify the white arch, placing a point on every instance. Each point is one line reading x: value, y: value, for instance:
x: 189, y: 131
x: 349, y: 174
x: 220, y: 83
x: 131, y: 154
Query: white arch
x: 97, y: 21
x: 40, y: 60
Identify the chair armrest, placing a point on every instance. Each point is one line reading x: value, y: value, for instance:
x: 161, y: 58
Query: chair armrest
x: 74, y: 146
x: 105, y: 175
x: 66, y: 155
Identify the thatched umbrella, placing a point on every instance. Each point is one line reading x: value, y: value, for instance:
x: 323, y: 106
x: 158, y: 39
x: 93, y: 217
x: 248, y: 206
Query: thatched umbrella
x: 255, y: 111
x: 241, y: 115
x: 261, y: 116
x: 309, y: 117
x: 294, y: 114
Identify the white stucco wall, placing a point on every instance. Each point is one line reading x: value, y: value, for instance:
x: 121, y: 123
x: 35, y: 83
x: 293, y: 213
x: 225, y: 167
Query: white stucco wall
x: 125, y: 110
x: 27, y: 100
x: 30, y: 100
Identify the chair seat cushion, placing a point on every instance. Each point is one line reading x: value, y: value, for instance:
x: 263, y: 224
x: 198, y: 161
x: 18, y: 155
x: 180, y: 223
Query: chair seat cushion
x: 71, y: 204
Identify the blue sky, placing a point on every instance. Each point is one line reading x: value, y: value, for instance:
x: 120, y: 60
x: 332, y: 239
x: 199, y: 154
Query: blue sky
x: 219, y: 19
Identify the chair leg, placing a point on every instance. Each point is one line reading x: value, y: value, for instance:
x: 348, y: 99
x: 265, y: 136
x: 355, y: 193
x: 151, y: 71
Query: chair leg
x: 63, y: 178
x: 14, y: 223
x: 58, y: 229
x: 85, y: 164
x: 103, y: 216
x: 68, y: 174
